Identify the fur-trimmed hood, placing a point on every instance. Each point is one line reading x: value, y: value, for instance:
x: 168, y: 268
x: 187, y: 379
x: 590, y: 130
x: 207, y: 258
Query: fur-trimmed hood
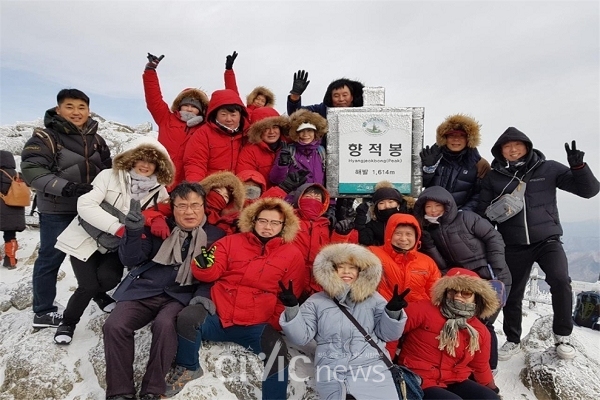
x: 464, y: 279
x: 227, y: 180
x: 303, y: 115
x: 263, y: 118
x: 369, y: 265
x: 193, y: 93
x: 460, y: 122
x: 356, y: 88
x: 154, y: 153
x: 290, y: 227
x: 269, y: 95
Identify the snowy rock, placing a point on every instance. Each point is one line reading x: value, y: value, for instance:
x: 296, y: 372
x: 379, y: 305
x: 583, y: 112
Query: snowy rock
x: 553, y: 378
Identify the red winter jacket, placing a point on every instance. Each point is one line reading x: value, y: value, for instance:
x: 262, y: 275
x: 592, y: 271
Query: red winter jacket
x: 173, y: 133
x: 246, y: 275
x: 211, y: 149
x: 259, y: 157
x: 420, y: 350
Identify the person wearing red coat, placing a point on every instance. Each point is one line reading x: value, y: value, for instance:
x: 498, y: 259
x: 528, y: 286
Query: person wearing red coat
x: 245, y: 268
x: 216, y: 145
x: 177, y: 124
x: 264, y: 141
x: 445, y: 343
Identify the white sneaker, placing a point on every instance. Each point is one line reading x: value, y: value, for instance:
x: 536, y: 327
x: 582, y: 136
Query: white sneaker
x: 564, y: 348
x: 508, y: 350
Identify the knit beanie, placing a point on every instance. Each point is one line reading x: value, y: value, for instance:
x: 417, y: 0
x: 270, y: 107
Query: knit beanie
x: 192, y: 102
x: 387, y: 193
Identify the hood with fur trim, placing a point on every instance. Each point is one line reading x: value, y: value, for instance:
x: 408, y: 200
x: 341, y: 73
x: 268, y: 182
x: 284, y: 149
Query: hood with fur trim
x: 356, y: 88
x: 165, y: 170
x: 263, y: 118
x: 193, y: 93
x: 290, y: 226
x: 369, y: 266
x: 269, y: 95
x: 227, y: 180
x: 301, y: 116
x: 459, y: 122
x: 464, y: 279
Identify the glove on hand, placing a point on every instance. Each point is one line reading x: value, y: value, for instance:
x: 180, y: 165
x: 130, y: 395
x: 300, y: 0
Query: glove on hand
x: 397, y: 301
x: 361, y: 215
x: 206, y: 302
x: 159, y: 228
x: 153, y: 61
x: 135, y: 219
x: 294, y: 180
x: 205, y: 259
x: 287, y: 296
x: 330, y: 215
x: 345, y: 226
x: 574, y: 156
x: 285, y: 156
x: 230, y: 59
x: 430, y: 155
x: 300, y: 82
x: 73, y: 189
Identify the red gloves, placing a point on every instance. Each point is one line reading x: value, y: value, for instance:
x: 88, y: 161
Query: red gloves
x: 159, y: 228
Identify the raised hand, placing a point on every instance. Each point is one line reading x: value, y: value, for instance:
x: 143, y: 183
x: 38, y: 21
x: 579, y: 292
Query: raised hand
x: 294, y: 180
x: 344, y: 226
x: 287, y: 296
x: 574, y: 156
x: 397, y: 301
x: 285, y: 155
x: 300, y: 82
x: 430, y: 155
x: 230, y: 59
x: 134, y: 219
x: 153, y: 61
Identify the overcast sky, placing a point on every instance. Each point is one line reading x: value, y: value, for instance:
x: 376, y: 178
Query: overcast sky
x: 532, y: 65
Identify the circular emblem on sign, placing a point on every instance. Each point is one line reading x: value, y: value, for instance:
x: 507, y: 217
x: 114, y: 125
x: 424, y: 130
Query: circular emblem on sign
x: 375, y: 126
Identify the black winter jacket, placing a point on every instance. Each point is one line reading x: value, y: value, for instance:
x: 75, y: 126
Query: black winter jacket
x: 538, y: 221
x: 462, y: 238
x: 11, y: 218
x: 60, y: 154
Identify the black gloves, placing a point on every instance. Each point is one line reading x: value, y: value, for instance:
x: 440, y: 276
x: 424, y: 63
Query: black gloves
x: 300, y: 82
x: 361, y: 215
x: 574, y: 156
x: 397, y: 301
x: 153, y: 61
x: 293, y: 181
x: 344, y: 226
x: 430, y: 155
x: 287, y: 296
x: 330, y: 215
x: 134, y: 220
x: 73, y: 189
x: 285, y: 156
x: 205, y: 259
x: 230, y: 59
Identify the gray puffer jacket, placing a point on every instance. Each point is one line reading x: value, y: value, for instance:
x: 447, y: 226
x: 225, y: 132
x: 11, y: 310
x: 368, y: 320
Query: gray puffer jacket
x: 345, y: 363
x: 60, y: 154
x: 462, y: 238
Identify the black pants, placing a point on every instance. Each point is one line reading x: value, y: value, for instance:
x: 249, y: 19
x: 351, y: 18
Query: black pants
x: 9, y: 235
x: 462, y: 390
x: 489, y: 324
x: 551, y: 258
x: 99, y: 274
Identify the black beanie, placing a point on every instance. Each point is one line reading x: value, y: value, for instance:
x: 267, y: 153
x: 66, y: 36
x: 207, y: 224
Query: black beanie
x: 387, y: 193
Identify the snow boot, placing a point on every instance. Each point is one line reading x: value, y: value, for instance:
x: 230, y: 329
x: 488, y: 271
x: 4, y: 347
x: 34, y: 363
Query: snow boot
x: 10, y: 254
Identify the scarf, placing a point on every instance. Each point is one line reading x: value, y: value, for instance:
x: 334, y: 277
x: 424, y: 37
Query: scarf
x: 307, y: 148
x: 141, y: 185
x: 457, y: 314
x: 219, y: 213
x: 170, y: 251
x: 431, y: 219
x: 310, y: 209
x: 190, y: 118
x: 384, y: 215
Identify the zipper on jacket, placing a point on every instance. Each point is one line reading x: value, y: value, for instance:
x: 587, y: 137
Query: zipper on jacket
x: 525, y: 220
x: 87, y: 163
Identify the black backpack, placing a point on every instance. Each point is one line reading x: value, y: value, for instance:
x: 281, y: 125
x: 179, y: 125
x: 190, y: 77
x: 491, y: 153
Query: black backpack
x: 587, y: 310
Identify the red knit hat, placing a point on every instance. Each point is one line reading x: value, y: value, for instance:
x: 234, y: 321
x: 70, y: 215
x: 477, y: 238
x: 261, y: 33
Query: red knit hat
x: 461, y: 271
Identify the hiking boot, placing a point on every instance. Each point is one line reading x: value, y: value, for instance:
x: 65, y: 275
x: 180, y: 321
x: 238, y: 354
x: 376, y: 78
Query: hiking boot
x: 150, y: 396
x: 508, y: 350
x: 178, y: 376
x: 564, y: 348
x: 122, y: 397
x: 64, y: 334
x: 47, y: 320
x: 10, y: 254
x: 105, y: 302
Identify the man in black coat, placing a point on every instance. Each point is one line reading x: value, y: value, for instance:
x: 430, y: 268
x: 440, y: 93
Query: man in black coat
x: 533, y: 234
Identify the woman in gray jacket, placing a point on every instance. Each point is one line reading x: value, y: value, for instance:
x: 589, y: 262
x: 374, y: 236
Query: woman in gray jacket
x: 347, y: 367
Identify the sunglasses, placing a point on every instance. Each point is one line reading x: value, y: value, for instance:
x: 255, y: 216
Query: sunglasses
x: 463, y: 293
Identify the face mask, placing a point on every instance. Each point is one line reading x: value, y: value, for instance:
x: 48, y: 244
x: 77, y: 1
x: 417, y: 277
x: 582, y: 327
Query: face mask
x: 253, y: 192
x: 186, y: 115
x: 433, y: 220
x: 310, y: 209
x: 215, y: 201
x: 384, y: 215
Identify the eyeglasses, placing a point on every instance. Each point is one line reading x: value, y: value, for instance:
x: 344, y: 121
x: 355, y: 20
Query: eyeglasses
x: 184, y: 207
x: 465, y: 294
x: 273, y: 223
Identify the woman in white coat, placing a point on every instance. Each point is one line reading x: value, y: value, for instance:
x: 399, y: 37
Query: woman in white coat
x: 140, y: 173
x: 347, y: 367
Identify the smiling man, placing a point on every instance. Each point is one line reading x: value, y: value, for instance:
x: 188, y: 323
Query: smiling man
x: 60, y: 162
